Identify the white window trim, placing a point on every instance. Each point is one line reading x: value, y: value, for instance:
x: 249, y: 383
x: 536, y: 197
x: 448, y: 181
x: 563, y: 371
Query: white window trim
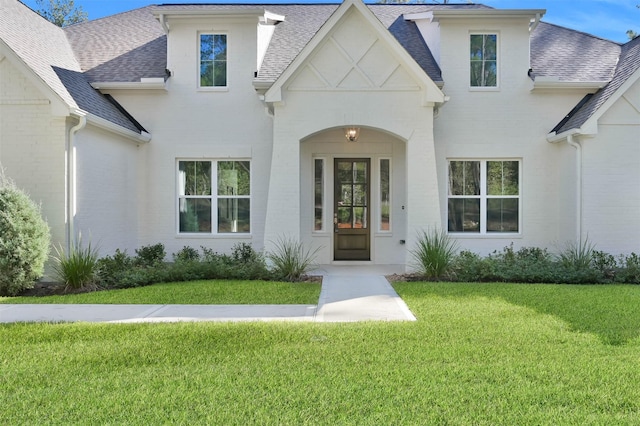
x: 211, y: 88
x: 325, y: 222
x: 214, y: 200
x: 483, y: 200
x: 379, y: 197
x: 495, y: 88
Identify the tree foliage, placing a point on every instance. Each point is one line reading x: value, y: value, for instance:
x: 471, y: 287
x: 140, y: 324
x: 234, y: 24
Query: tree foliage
x: 61, y: 12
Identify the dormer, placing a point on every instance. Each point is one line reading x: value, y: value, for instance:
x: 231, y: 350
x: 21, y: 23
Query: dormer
x: 479, y: 48
x: 212, y: 47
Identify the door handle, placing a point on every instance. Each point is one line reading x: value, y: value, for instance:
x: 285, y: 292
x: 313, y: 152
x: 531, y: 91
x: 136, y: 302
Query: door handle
x: 335, y: 222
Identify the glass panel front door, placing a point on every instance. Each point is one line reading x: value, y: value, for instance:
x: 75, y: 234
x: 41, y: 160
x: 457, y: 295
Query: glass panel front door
x: 351, y: 212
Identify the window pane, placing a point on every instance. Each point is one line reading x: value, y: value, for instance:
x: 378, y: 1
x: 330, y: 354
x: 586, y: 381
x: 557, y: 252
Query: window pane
x: 220, y: 73
x: 360, y: 172
x: 502, y: 178
x: 220, y: 47
x: 359, y: 195
x: 233, y: 178
x: 195, y: 215
x: 344, y: 217
x: 194, y: 178
x: 206, y: 74
x: 213, y: 60
x: 483, y: 57
x: 464, y: 178
x: 206, y: 47
x: 464, y: 215
x: 502, y: 215
x: 234, y: 215
x: 385, y: 194
x: 318, y: 189
x: 346, y: 195
x: 360, y: 218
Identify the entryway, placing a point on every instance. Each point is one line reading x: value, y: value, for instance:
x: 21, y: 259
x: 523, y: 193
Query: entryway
x: 351, y: 214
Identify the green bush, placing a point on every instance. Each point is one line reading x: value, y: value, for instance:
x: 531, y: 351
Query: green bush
x: 186, y: 254
x: 291, y: 260
x: 111, y: 268
x: 24, y: 240
x: 434, y: 253
x: 150, y: 255
x: 78, y: 268
x: 122, y: 271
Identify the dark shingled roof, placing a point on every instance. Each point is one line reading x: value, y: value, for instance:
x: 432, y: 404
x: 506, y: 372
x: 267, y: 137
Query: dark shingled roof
x: 132, y: 45
x: 120, y: 48
x: 45, y: 49
x: 570, y: 55
x: 628, y: 64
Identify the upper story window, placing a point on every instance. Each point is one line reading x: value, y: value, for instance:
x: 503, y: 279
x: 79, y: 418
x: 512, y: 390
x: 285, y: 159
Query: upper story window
x: 213, y: 60
x: 483, y: 60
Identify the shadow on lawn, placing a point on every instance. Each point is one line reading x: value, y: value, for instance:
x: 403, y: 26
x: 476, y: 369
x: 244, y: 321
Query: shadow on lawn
x: 609, y: 311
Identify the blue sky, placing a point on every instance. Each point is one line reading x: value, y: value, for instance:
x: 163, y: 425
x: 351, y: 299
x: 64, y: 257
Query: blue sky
x: 608, y: 19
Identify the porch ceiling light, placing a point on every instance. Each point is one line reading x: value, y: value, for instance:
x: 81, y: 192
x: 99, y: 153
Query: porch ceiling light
x: 352, y: 134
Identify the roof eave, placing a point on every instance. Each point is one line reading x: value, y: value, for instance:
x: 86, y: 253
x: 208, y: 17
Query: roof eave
x: 542, y: 83
x: 439, y: 14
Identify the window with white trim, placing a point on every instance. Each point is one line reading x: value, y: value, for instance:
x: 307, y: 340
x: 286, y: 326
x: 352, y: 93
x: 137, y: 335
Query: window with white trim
x: 214, y: 197
x: 483, y: 58
x: 213, y: 60
x: 318, y: 194
x: 385, y: 194
x: 484, y: 196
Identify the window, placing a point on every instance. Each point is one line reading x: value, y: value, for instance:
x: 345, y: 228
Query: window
x: 484, y: 196
x: 483, y: 60
x: 225, y: 203
x: 318, y: 193
x: 213, y: 60
x: 385, y: 194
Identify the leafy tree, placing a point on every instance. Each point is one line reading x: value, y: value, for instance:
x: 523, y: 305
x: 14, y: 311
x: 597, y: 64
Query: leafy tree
x: 633, y: 34
x: 61, y: 12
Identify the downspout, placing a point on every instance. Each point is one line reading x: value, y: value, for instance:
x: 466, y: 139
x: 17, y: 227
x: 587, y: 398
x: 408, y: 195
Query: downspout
x: 578, y: 147
x: 71, y: 176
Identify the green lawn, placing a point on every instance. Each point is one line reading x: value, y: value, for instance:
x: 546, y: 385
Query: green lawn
x: 478, y: 354
x: 220, y: 292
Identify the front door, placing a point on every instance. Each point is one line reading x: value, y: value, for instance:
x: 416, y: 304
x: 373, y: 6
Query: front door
x: 351, y: 210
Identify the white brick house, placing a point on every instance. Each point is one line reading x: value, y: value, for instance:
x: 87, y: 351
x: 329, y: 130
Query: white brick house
x: 209, y: 125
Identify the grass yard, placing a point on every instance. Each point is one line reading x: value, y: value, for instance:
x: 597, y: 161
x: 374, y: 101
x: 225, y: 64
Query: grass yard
x: 478, y: 354
x: 220, y: 292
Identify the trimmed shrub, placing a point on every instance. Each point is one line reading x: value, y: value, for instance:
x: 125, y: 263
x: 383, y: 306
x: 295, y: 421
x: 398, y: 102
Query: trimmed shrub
x: 111, y: 268
x: 186, y: 254
x: 150, y: 255
x: 24, y: 240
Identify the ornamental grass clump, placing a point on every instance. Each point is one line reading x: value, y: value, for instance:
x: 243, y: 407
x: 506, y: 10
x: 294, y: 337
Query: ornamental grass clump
x: 291, y: 260
x: 24, y: 239
x: 434, y: 253
x: 77, y: 268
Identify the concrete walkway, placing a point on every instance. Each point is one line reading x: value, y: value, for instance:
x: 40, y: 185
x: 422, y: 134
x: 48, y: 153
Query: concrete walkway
x: 349, y: 293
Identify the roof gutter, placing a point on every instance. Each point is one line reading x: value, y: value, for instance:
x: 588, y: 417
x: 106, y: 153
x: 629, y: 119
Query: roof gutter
x: 71, y: 176
x: 571, y: 137
x: 142, y: 137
